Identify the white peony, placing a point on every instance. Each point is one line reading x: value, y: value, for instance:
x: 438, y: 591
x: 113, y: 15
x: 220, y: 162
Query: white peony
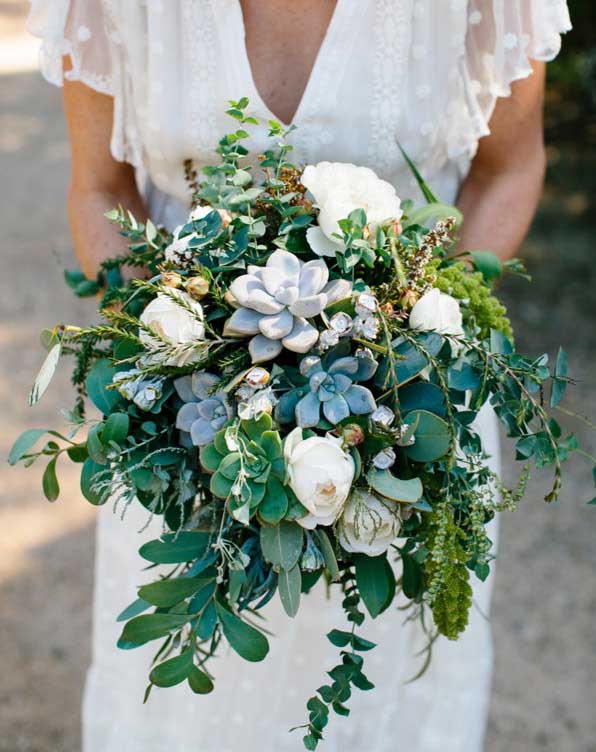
x: 338, y: 189
x: 368, y: 525
x: 175, y: 325
x: 320, y: 473
x: 436, y: 311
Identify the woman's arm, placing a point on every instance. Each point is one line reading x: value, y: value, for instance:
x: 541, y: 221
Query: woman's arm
x: 98, y: 182
x: 501, y: 192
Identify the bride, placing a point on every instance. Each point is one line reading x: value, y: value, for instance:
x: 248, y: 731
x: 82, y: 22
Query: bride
x: 459, y: 83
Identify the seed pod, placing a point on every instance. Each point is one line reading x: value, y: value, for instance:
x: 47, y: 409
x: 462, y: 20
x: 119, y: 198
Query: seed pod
x: 197, y: 287
x: 171, y: 279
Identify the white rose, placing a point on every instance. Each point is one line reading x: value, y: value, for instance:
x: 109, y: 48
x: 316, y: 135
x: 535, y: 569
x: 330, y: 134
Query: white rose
x: 368, y: 525
x: 320, y: 474
x: 340, y: 188
x: 175, y: 325
x: 436, y: 311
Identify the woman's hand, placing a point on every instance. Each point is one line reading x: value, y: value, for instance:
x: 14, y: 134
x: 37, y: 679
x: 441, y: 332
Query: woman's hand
x: 98, y: 182
x: 501, y: 192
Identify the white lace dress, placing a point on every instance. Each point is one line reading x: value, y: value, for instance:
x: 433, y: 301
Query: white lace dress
x: 423, y: 72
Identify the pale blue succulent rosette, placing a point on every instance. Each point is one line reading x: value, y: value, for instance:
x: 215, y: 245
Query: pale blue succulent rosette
x: 206, y: 409
x: 331, y: 389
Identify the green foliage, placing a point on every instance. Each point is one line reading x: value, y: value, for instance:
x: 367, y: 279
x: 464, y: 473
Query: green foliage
x: 446, y: 573
x: 486, y: 309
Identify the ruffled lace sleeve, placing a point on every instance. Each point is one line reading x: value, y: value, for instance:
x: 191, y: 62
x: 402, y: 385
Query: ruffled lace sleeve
x: 503, y: 37
x: 76, y: 29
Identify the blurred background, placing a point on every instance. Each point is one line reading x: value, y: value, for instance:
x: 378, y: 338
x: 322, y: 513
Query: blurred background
x: 545, y: 600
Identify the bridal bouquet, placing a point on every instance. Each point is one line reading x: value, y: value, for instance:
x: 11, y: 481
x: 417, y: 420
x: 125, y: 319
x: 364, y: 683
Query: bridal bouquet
x: 294, y: 386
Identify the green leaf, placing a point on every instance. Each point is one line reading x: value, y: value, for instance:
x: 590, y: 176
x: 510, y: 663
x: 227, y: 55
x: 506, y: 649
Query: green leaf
x: 426, y: 191
x: 432, y: 437
x: 116, y: 428
x: 289, y: 582
x: 271, y: 445
x: 134, y: 609
x: 386, y: 484
x: 499, y: 343
x: 422, y: 396
x: 328, y: 553
x: 199, y: 682
x: 77, y: 453
x: 99, y: 378
x: 274, y: 506
x: 49, y: 481
x: 254, y: 428
x: 149, y: 627
x: 247, y: 641
x: 173, y: 671
x: 24, y: 443
x: 176, y: 548
x: 488, y: 264
x: 559, y: 384
x: 412, y: 576
x: 207, y: 622
x: 429, y: 215
x: 237, y: 578
x: 74, y: 278
x: 210, y: 458
x: 168, y: 593
x: 88, y: 472
x: 371, y: 578
x: 45, y: 375
x: 282, y: 544
x: 220, y: 486
x: 338, y: 638
x: 95, y: 446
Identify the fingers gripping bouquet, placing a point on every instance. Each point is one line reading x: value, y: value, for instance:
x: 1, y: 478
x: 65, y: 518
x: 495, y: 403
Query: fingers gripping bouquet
x: 294, y: 390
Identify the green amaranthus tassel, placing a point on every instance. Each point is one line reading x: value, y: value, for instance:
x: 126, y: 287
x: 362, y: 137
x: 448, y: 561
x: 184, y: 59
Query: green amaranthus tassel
x: 448, y: 577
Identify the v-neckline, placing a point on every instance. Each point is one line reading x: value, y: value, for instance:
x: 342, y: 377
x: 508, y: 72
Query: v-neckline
x: 255, y: 95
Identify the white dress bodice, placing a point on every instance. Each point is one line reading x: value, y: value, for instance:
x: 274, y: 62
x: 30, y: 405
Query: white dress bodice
x: 423, y: 73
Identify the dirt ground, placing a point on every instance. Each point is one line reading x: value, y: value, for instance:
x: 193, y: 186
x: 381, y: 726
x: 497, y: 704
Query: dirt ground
x: 543, y: 611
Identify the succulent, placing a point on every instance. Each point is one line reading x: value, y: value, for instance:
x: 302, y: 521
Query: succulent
x: 248, y: 471
x: 206, y: 409
x: 330, y: 388
x: 144, y: 391
x: 276, y: 302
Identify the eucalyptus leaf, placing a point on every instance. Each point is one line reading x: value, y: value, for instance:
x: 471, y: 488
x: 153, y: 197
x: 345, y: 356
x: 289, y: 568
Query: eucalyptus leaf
x: 134, y: 609
x: 50, y: 485
x: 328, y: 552
x: 488, y: 264
x: 247, y: 641
x: 289, y: 582
x: 371, y: 578
x: 166, y: 593
x: 199, y: 682
x: 149, y: 627
x: 173, y: 671
x: 116, y: 428
x: 389, y: 486
x: 45, y: 375
x: 24, y: 443
x: 282, y: 544
x: 177, y: 548
x: 432, y: 437
x: 88, y: 473
x: 99, y: 378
